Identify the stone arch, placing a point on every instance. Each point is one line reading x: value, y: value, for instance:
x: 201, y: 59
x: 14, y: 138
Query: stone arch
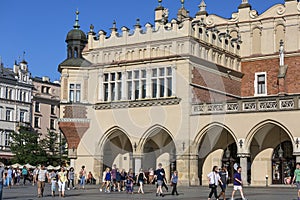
x: 263, y: 142
x: 216, y: 144
x: 204, y: 130
x: 148, y: 133
x: 260, y: 125
x: 157, y: 146
x: 107, y: 134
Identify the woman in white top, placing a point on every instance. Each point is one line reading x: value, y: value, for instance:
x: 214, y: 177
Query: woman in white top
x: 214, y: 179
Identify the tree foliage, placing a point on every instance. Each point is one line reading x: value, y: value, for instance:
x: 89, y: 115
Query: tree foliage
x: 28, y: 147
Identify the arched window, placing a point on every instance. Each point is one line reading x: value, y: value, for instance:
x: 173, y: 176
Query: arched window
x: 76, y: 52
x: 70, y: 53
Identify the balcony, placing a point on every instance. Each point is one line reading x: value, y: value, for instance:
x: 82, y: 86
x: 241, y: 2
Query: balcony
x: 247, y: 105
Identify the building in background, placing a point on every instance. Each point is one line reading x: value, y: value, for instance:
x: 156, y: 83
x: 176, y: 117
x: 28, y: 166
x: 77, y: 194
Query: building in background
x: 15, y: 104
x: 45, y: 101
x: 190, y: 93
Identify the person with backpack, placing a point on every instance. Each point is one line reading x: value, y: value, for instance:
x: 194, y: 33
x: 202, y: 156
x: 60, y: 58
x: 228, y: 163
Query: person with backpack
x: 25, y: 175
x: 41, y: 176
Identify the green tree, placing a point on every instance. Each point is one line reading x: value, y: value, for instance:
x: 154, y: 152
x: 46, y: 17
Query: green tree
x: 51, y: 145
x: 26, y: 148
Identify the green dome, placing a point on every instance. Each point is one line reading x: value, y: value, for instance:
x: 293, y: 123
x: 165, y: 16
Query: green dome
x: 76, y: 34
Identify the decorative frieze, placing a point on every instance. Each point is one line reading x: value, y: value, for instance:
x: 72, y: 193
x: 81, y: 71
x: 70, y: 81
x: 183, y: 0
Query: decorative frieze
x: 249, y: 105
x: 137, y: 103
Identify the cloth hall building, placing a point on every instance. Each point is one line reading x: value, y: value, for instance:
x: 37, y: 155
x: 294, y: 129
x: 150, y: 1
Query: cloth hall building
x: 189, y: 92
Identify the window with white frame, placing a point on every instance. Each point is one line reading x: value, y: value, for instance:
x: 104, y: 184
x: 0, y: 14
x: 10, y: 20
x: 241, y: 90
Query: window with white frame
x: 112, y: 86
x: 1, y: 113
x: 75, y: 93
x: 139, y: 84
x: 7, y: 139
x: 22, y: 116
x: 260, y: 84
x: 161, y: 82
x: 9, y: 116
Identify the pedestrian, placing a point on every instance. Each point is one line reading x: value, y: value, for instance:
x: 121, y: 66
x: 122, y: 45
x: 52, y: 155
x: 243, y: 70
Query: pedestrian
x: 159, y: 175
x: 140, y: 180
x: 62, y: 179
x: 237, y: 183
x: 123, y: 178
x: 118, y: 180
x: 224, y: 177
x: 34, y: 180
x: 296, y: 178
x: 107, y: 179
x: 9, y: 177
x: 1, y: 179
x: 214, y: 180
x: 25, y: 174
x: 103, y: 181
x: 174, y: 181
x: 151, y: 175
x: 82, y: 175
x: 41, y: 176
x: 53, y: 180
x: 71, y: 177
x: 129, y: 184
x: 114, y: 176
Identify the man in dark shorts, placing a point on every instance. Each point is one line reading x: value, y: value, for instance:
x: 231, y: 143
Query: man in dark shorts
x: 224, y: 177
x: 159, y: 175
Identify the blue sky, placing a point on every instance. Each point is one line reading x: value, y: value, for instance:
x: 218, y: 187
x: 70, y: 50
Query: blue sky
x: 39, y: 27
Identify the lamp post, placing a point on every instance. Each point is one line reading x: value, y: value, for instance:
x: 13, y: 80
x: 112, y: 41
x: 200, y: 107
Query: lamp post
x: 267, y: 177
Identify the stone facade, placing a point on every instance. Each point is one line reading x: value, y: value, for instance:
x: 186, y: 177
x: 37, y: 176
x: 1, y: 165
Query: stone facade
x: 189, y: 93
x: 15, y: 104
x: 45, y: 101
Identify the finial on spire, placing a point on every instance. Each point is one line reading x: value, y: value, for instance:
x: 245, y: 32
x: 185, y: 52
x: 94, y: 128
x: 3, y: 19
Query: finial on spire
x: 137, y: 24
x: 202, y: 6
x: 159, y: 2
x: 244, y: 1
x: 76, y: 25
x: 182, y: 3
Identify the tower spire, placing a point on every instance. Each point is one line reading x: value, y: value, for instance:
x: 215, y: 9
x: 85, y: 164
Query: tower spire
x: 182, y: 3
x: 76, y: 25
x: 159, y: 3
x: 202, y: 6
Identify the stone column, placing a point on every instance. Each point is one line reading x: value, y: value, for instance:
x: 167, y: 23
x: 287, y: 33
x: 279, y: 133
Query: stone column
x: 137, y: 159
x: 194, y: 178
x: 183, y: 166
x: 244, y: 165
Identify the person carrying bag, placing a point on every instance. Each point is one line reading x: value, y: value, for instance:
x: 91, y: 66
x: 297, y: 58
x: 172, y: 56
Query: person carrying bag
x: 214, y: 179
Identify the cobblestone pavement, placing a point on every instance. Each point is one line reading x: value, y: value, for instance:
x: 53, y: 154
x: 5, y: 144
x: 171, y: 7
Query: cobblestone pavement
x: 29, y: 192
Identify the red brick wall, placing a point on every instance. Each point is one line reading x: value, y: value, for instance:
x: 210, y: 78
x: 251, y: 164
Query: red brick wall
x: 215, y: 82
x: 271, y: 67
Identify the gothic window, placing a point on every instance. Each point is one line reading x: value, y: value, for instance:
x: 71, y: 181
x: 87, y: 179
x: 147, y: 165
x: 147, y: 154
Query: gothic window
x: 260, y: 84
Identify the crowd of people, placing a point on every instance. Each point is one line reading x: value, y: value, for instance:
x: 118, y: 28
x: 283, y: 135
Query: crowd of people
x: 114, y: 180
x: 118, y: 180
